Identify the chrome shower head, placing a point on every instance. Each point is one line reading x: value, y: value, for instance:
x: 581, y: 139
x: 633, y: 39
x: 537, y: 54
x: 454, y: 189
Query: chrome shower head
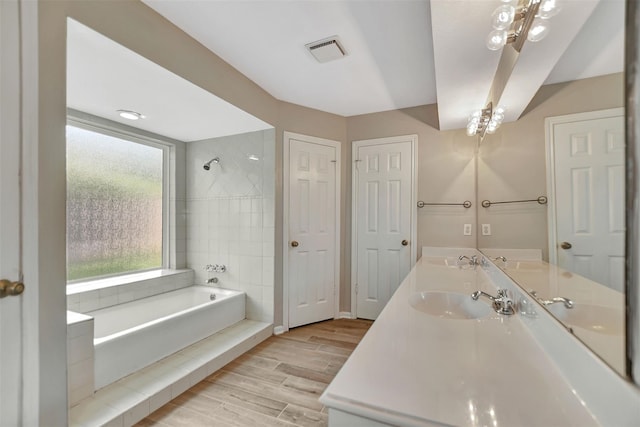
x: 207, y: 165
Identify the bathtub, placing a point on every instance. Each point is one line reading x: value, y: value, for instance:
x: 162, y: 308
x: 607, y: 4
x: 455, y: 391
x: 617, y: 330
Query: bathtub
x: 130, y: 336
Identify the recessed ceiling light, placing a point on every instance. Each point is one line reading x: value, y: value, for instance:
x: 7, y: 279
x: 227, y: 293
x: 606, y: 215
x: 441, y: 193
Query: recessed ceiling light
x: 130, y: 115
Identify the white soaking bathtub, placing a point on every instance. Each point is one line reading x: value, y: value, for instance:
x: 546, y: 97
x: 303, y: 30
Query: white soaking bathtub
x: 130, y: 336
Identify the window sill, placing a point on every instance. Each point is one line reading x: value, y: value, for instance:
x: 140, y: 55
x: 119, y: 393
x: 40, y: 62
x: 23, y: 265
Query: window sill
x: 92, y: 285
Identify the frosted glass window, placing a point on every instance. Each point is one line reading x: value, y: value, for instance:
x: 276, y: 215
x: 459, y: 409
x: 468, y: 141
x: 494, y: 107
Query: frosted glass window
x: 114, y: 205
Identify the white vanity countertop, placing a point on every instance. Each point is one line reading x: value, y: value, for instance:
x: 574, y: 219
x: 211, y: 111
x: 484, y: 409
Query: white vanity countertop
x: 606, y: 336
x: 413, y: 368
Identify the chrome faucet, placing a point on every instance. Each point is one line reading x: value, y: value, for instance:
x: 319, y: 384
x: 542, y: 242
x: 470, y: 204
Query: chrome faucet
x: 502, y: 304
x: 566, y: 301
x: 212, y: 280
x: 472, y: 261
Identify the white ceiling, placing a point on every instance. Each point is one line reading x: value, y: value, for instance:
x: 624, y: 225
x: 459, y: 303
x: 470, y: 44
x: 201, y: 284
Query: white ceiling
x: 393, y: 60
x: 103, y: 76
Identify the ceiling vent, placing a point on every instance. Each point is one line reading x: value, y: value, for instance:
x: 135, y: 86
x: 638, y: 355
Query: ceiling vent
x: 327, y: 49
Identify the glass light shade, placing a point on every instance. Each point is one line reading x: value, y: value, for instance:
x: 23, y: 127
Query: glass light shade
x: 472, y: 128
x: 502, y: 17
x: 496, y: 39
x: 498, y: 115
x: 539, y: 30
x: 548, y: 9
x: 492, y: 126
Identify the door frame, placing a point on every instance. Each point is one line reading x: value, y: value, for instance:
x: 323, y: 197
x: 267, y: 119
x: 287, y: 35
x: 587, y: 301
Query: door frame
x: 337, y: 145
x: 413, y: 138
x: 549, y: 124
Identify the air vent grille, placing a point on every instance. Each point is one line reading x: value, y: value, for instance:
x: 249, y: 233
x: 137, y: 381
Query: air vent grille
x: 326, y: 49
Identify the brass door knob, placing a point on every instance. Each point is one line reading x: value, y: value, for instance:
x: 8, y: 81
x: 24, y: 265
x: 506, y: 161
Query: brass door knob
x: 294, y: 244
x: 9, y: 288
x: 405, y: 242
x: 565, y: 245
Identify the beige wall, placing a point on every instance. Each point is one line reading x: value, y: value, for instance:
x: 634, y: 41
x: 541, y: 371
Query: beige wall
x: 446, y: 173
x: 306, y: 121
x: 512, y: 164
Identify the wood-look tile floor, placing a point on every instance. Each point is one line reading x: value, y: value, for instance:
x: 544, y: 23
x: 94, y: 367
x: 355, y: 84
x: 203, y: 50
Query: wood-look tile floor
x: 277, y: 383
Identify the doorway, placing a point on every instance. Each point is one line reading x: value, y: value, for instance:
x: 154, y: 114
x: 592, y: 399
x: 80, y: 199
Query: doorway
x: 384, y: 220
x: 585, y: 178
x: 311, y: 229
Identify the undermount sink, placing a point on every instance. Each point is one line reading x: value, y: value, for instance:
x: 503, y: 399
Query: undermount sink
x: 594, y: 318
x: 448, y: 305
x: 445, y: 262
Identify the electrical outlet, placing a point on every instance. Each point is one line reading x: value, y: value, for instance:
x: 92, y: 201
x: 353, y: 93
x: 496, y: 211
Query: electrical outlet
x: 466, y: 230
x: 486, y: 229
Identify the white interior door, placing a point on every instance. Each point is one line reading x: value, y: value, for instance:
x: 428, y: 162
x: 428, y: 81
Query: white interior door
x: 383, y: 180
x: 312, y: 230
x: 590, y: 198
x: 10, y: 306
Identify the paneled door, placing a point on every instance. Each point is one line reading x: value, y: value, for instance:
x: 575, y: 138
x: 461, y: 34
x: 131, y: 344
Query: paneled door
x: 589, y: 166
x: 312, y: 229
x: 11, y: 351
x: 383, y: 205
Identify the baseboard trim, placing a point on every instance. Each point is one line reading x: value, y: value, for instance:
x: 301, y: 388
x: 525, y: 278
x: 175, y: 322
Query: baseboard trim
x: 279, y: 330
x: 345, y: 315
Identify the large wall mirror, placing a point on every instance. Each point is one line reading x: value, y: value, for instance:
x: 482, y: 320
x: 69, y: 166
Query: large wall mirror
x: 560, y: 170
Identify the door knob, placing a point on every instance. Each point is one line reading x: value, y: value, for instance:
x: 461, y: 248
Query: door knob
x: 8, y: 288
x: 565, y: 245
x: 405, y: 242
x: 294, y: 244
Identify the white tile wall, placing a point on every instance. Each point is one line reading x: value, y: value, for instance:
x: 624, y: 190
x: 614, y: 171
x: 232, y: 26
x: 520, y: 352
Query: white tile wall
x: 80, y: 357
x: 230, y: 215
x: 83, y: 302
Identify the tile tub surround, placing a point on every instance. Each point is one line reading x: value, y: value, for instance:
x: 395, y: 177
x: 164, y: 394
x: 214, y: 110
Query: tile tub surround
x: 131, y: 336
x: 80, y: 357
x: 101, y: 293
x: 496, y: 370
x: 132, y: 398
x: 230, y: 215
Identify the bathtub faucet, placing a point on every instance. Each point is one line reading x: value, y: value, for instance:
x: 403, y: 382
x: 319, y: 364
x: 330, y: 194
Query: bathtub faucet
x: 212, y: 280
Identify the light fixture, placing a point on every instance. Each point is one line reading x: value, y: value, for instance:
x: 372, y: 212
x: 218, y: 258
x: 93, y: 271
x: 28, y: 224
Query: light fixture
x: 526, y: 21
x: 539, y: 30
x: 548, y: 9
x: 496, y: 39
x: 496, y: 120
x: 502, y: 17
x: 478, y: 121
x: 130, y: 115
x: 485, y: 121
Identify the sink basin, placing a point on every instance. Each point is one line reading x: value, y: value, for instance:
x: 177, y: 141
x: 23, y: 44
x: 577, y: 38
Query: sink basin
x: 449, y: 305
x: 595, y: 318
x: 444, y: 262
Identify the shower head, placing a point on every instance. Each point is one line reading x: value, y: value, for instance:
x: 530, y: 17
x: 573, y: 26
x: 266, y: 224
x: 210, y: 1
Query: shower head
x: 207, y: 165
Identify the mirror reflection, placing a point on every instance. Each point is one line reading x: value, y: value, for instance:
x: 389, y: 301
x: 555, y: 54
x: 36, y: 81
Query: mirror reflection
x: 568, y: 147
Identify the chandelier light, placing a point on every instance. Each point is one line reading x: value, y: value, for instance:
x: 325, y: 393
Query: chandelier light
x: 516, y: 21
x: 484, y: 121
